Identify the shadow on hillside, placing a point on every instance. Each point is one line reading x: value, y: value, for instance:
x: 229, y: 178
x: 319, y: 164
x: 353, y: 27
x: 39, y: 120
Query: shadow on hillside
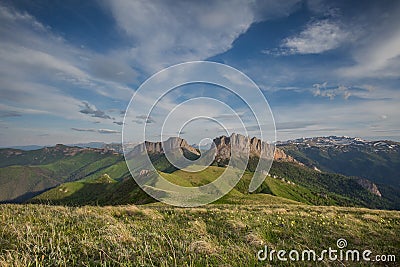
x: 25, y: 197
x: 99, y: 194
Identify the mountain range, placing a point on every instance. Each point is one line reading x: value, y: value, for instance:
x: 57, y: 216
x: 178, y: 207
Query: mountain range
x: 319, y: 171
x: 378, y: 161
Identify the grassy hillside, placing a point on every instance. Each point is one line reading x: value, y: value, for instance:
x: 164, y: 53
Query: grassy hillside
x: 9, y: 157
x: 292, y: 183
x: 336, y: 189
x: 19, y: 183
x: 111, y: 192
x: 215, y: 235
x: 25, y: 174
x: 95, y: 192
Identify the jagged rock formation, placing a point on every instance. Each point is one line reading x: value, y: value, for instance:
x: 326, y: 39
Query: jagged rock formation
x: 242, y: 145
x: 255, y: 146
x: 172, y: 143
x: 370, y: 186
x: 280, y: 155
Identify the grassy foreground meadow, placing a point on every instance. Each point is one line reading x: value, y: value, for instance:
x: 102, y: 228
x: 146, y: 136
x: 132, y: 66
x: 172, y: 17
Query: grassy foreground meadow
x: 214, y: 235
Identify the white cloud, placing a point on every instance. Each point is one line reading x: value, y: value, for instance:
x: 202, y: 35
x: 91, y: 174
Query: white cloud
x: 101, y: 131
x: 37, y: 55
x: 82, y: 129
x: 168, y: 32
x: 31, y: 58
x: 331, y: 93
x: 36, y: 98
x: 107, y: 131
x: 92, y: 110
x: 379, y: 58
x: 111, y: 68
x: 318, y: 36
x: 376, y: 53
x: 324, y: 7
x: 361, y: 92
x: 18, y: 110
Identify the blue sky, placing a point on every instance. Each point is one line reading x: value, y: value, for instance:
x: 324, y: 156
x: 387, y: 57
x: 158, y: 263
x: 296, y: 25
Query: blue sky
x: 68, y: 69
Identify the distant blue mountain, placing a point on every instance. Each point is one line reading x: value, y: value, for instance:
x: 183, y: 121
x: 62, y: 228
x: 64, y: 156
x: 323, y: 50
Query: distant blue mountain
x: 26, y: 148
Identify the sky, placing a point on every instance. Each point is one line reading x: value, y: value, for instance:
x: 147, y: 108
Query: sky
x: 68, y: 69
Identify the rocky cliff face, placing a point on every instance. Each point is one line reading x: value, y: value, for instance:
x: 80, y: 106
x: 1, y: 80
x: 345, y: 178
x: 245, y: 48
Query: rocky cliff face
x: 370, y: 186
x: 280, y: 155
x: 255, y: 146
x: 241, y: 144
x: 224, y: 144
x: 158, y: 147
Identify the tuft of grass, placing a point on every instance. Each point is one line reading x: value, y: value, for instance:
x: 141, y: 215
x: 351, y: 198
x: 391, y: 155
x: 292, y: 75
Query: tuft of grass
x: 203, y: 248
